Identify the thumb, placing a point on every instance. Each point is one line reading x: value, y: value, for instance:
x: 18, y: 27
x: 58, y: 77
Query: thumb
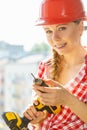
x: 53, y: 83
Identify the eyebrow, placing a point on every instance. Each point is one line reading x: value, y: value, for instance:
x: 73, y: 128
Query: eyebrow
x: 56, y: 26
x: 46, y: 28
x: 61, y: 25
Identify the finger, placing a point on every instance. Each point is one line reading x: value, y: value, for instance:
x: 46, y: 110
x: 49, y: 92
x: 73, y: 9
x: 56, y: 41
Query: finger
x: 53, y: 83
x: 41, y: 90
x: 27, y: 115
x: 35, y: 102
x: 40, y: 117
x: 31, y: 112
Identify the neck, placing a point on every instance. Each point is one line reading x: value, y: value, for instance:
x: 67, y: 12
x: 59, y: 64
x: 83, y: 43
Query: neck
x: 75, y: 58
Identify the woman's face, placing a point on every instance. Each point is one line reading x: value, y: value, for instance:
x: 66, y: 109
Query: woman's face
x: 64, y: 37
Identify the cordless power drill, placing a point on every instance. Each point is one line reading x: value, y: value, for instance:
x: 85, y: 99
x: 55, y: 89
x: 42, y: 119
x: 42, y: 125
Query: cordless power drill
x: 15, y: 122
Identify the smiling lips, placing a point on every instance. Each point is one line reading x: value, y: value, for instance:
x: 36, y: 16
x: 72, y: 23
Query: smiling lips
x: 60, y: 46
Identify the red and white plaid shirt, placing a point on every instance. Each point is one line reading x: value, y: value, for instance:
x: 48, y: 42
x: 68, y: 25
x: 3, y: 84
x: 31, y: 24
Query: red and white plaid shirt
x: 66, y: 119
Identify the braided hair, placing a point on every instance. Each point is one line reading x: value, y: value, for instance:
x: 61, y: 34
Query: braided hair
x: 55, y: 65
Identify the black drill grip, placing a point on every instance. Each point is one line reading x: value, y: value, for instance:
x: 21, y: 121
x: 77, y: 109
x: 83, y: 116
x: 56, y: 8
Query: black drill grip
x: 25, y: 122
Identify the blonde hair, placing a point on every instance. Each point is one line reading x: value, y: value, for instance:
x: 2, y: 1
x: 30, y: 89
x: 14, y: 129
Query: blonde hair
x: 55, y: 65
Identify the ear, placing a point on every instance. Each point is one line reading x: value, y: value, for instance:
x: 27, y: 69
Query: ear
x: 81, y: 27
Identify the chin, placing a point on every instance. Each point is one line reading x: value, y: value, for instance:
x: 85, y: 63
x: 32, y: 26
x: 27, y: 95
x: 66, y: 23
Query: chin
x: 60, y: 52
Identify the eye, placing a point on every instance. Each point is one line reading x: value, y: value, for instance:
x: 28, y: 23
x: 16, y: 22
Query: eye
x: 48, y: 31
x: 61, y: 28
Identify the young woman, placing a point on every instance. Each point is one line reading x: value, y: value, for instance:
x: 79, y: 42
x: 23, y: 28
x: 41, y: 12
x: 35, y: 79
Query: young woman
x: 65, y: 72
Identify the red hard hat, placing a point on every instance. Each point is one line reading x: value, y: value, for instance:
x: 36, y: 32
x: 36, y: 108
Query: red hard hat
x: 60, y: 11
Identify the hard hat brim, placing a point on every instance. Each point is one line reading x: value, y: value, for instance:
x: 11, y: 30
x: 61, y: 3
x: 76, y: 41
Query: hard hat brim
x: 41, y: 22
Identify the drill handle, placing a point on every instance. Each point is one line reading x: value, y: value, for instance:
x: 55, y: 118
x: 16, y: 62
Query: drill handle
x: 25, y: 121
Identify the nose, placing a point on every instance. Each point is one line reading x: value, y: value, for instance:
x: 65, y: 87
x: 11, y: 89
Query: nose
x: 56, y: 36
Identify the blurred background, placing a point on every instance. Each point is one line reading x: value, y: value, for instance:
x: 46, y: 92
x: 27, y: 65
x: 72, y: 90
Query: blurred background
x: 22, y: 46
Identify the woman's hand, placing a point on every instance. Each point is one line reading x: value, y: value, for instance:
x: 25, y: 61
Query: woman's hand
x: 35, y: 116
x: 52, y: 96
